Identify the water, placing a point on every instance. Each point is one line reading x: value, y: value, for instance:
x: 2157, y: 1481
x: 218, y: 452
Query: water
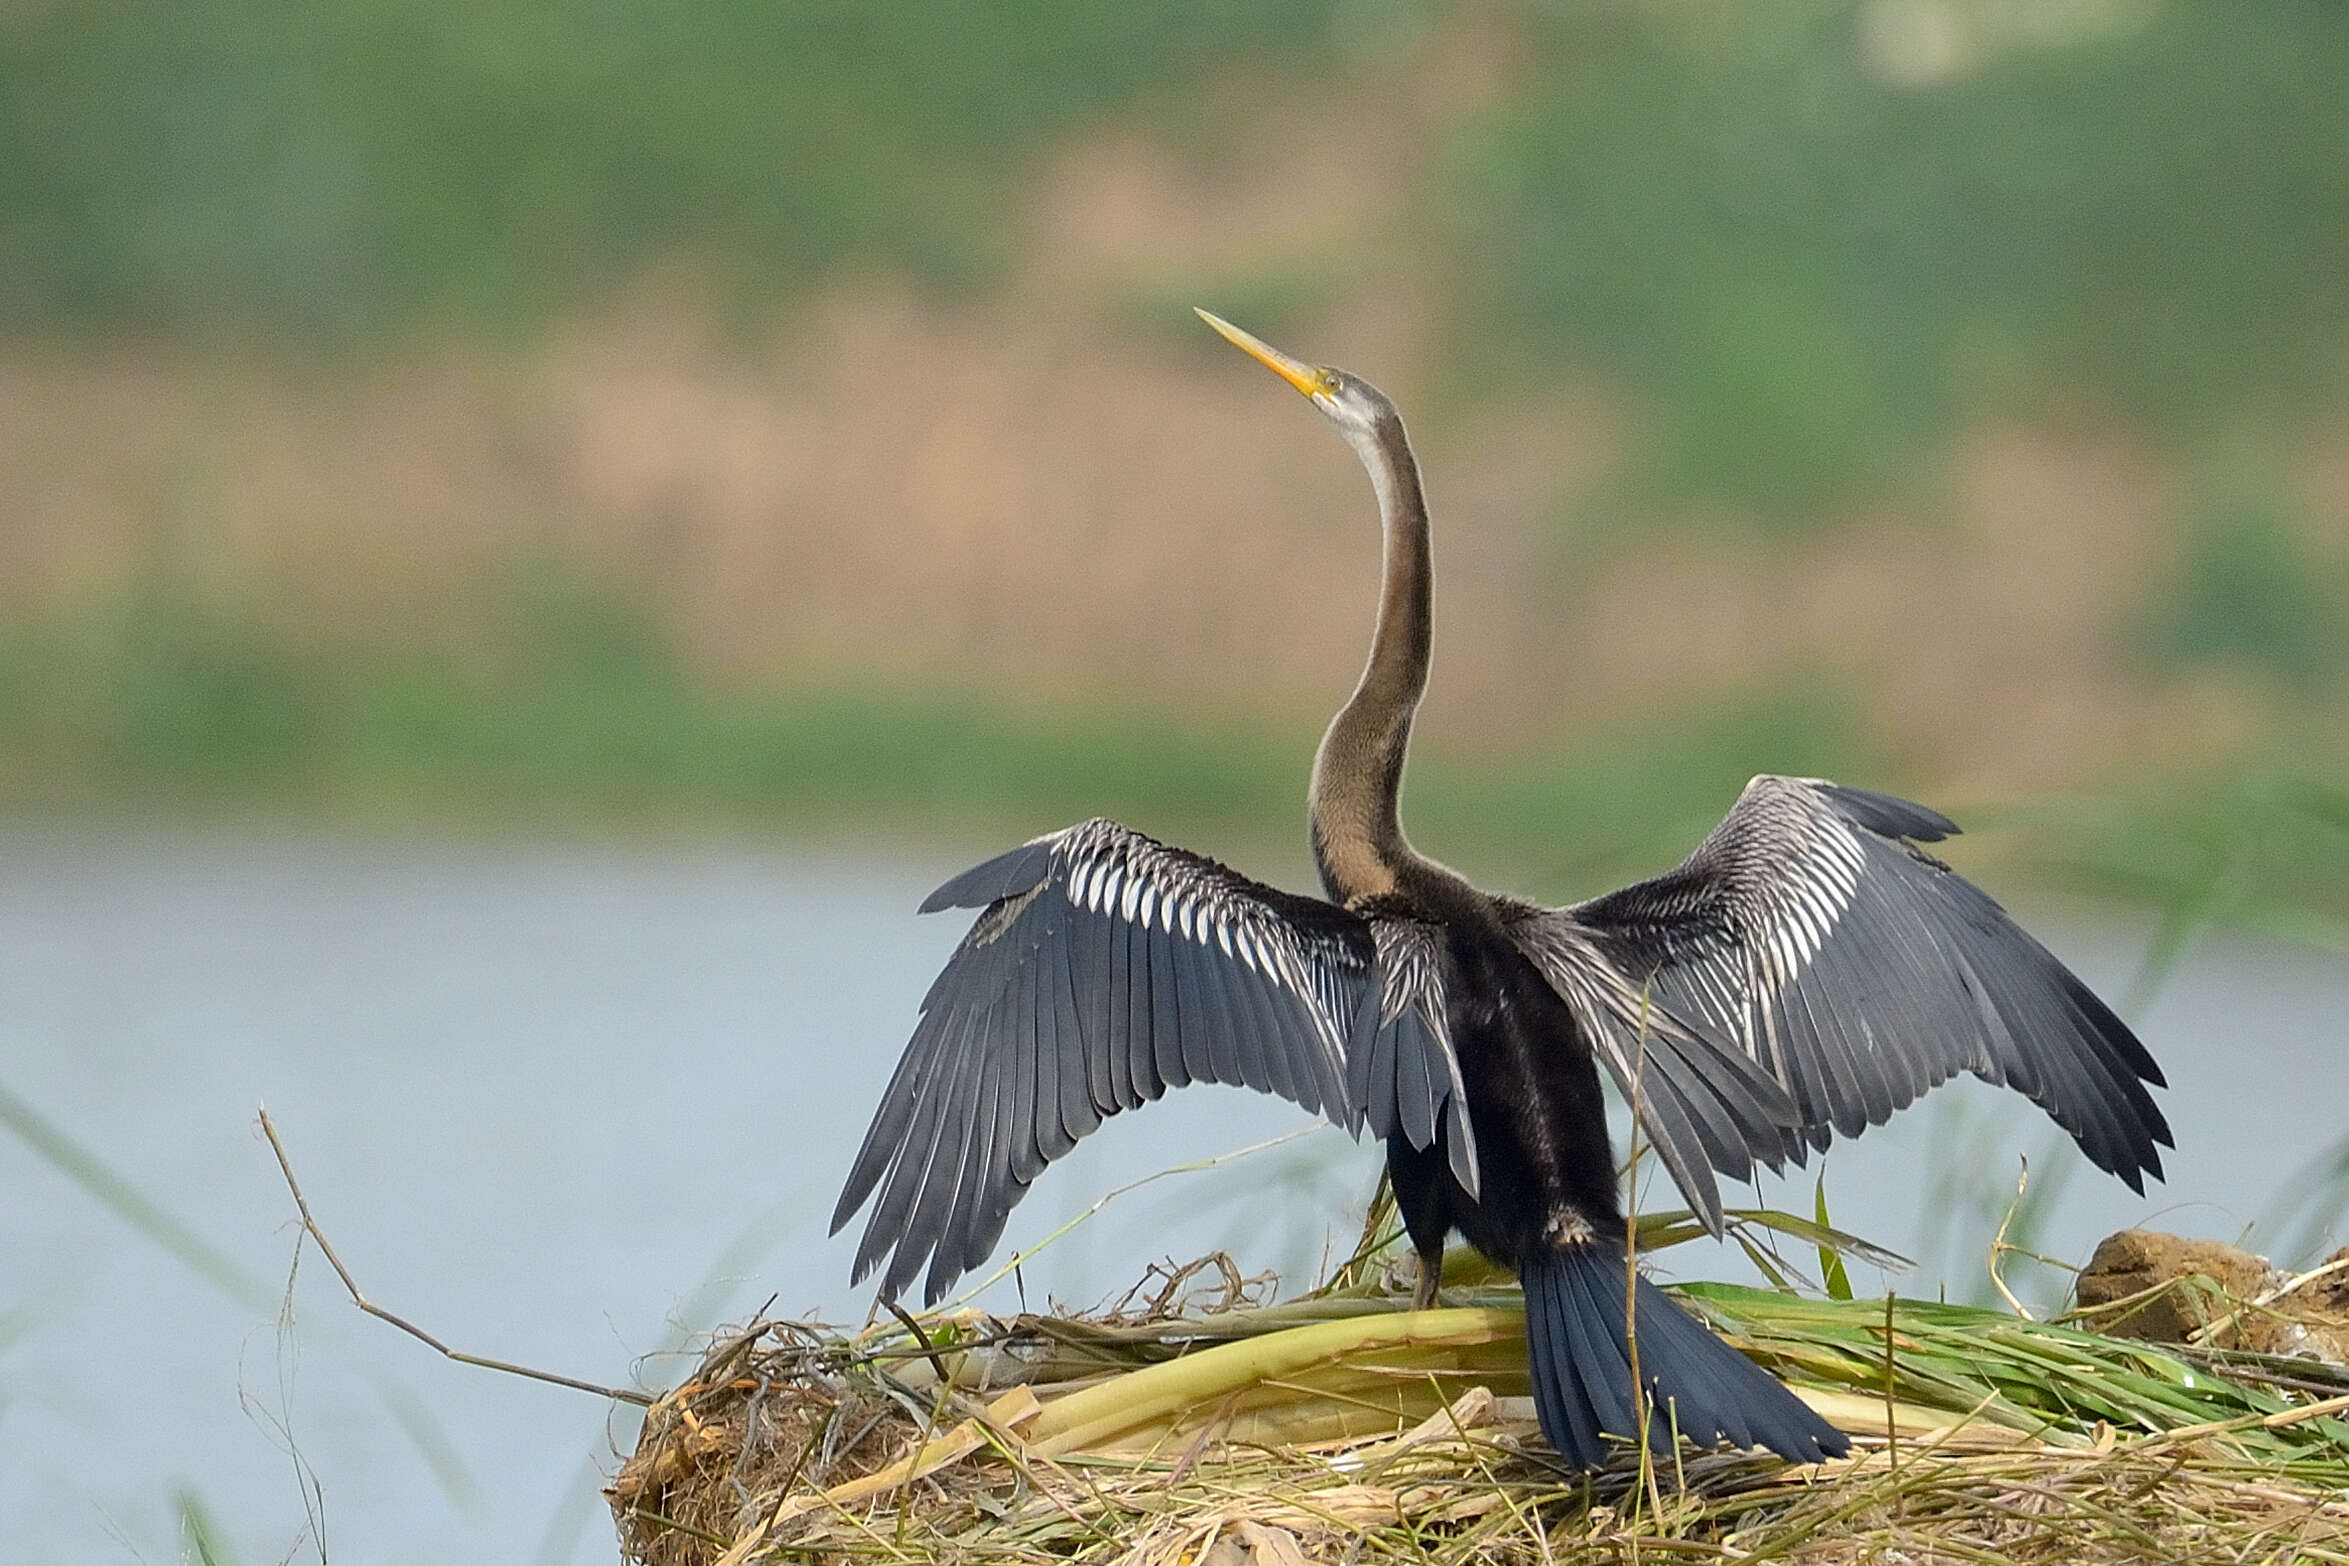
x: 568, y: 1105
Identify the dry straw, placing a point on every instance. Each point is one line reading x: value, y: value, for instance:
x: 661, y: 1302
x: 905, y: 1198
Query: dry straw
x: 1344, y: 1426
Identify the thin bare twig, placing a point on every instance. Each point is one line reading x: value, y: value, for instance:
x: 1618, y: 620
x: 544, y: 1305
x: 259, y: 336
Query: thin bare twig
x: 351, y: 1285
x: 750, y: 1441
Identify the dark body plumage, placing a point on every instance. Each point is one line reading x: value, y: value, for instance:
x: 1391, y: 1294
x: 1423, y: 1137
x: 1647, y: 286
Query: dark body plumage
x: 1547, y: 1207
x: 1807, y: 971
x: 1534, y: 1099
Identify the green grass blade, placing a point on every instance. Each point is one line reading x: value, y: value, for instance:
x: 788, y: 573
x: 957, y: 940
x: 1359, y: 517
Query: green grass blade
x: 1831, y: 1273
x: 203, y: 1537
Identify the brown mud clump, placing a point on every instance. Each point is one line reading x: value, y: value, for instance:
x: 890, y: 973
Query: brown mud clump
x: 2159, y: 1288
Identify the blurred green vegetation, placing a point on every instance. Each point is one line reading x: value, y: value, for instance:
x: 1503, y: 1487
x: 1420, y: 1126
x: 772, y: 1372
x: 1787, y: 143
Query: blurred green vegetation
x: 333, y: 171
x: 2265, y: 848
x: 581, y: 706
x: 1808, y: 243
x: 1811, y: 268
x: 571, y: 701
x: 2254, y: 592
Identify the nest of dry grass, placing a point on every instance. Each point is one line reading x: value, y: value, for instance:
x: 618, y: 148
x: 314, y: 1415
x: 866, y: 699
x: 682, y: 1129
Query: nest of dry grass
x: 1221, y: 1431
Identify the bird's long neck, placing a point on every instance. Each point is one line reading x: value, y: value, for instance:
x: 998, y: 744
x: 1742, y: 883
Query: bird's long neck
x: 1358, y: 774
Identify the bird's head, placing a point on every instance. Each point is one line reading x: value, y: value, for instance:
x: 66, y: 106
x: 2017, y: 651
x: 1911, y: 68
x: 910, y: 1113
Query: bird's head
x: 1359, y: 410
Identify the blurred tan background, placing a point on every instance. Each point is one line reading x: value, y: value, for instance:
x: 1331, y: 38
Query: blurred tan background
x: 554, y: 411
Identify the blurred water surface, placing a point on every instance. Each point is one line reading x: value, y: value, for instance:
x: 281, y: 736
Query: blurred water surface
x: 570, y: 1103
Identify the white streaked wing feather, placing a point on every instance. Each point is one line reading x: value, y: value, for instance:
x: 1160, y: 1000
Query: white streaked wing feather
x: 1808, y: 936
x: 1062, y: 917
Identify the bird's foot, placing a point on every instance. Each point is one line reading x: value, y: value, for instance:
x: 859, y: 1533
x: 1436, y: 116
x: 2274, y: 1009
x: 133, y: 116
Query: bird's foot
x: 1431, y: 1277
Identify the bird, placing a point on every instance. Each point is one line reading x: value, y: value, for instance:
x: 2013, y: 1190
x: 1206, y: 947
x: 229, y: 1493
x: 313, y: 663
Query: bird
x: 1809, y: 969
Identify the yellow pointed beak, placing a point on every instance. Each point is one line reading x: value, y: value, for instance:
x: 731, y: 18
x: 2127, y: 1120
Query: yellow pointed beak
x: 1305, y: 377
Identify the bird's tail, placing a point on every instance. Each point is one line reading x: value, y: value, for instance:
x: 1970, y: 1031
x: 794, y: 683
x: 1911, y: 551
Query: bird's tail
x: 1580, y: 1337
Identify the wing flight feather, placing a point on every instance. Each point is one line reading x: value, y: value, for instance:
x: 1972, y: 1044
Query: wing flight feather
x: 1103, y: 968
x: 1809, y: 970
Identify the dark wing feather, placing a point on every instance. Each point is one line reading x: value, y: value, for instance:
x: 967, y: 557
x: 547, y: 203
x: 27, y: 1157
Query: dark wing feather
x: 1403, y: 1074
x: 1104, y: 967
x: 1810, y: 937
x: 1704, y: 1104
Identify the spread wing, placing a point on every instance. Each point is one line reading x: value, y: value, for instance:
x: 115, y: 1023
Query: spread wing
x: 1103, y: 969
x: 1810, y: 936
